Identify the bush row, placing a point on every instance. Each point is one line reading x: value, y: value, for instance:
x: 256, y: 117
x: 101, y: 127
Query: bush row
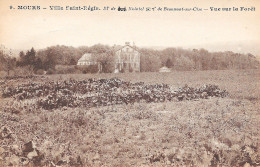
x: 103, y: 92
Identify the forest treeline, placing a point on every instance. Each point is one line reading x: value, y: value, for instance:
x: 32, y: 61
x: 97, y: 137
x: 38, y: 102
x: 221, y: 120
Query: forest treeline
x: 50, y: 58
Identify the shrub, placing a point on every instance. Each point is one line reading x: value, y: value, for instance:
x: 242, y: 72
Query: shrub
x: 93, y: 69
x: 22, y: 71
x: 88, y: 69
x: 84, y: 72
x: 39, y: 72
x: 50, y: 71
x: 63, y: 69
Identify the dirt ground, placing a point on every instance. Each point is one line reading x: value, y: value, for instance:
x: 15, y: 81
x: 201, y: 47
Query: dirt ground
x: 205, y: 132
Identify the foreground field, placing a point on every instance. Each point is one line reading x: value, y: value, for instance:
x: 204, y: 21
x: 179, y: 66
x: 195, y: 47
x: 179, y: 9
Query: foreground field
x: 215, y: 131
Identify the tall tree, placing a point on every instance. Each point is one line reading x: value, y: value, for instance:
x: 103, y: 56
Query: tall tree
x: 50, y: 60
x: 7, y: 63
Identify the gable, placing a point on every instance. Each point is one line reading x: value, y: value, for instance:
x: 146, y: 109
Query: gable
x: 127, y: 49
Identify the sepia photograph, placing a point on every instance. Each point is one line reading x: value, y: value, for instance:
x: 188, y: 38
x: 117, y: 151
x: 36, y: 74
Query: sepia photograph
x: 130, y: 83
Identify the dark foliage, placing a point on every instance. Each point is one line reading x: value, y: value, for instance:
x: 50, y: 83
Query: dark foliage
x: 103, y: 92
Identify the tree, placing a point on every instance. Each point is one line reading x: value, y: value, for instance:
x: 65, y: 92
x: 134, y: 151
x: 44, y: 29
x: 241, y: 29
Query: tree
x: 204, y: 59
x: 7, y: 62
x: 184, y: 63
x: 73, y: 61
x: 99, y: 48
x: 213, y: 64
x: 31, y: 59
x: 168, y: 54
x: 21, y: 59
x: 169, y: 63
x: 196, y: 59
x: 38, y: 64
x: 28, y: 59
x: 150, y: 60
x: 50, y: 60
x: 105, y: 61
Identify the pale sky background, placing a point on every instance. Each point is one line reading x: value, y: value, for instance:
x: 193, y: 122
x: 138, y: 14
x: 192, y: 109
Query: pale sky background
x: 216, y: 31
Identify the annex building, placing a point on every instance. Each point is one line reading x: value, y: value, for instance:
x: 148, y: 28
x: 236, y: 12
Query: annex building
x: 126, y: 59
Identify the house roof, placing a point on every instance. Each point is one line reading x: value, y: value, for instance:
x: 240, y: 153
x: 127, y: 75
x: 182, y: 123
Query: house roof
x: 91, y: 56
x: 86, y: 57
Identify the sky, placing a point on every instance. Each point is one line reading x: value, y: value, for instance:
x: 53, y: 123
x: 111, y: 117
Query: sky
x: 237, y: 31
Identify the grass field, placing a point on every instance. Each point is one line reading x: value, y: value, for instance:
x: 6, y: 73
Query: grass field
x: 205, y: 132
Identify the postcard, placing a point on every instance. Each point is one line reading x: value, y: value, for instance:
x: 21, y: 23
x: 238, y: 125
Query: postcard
x: 129, y: 83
